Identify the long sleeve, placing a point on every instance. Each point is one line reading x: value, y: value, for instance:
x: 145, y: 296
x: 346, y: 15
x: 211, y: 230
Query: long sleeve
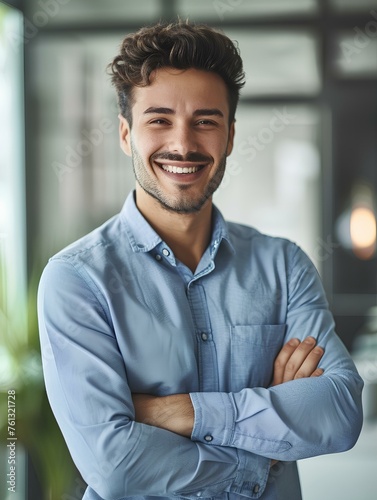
x: 87, y: 385
x: 301, y: 418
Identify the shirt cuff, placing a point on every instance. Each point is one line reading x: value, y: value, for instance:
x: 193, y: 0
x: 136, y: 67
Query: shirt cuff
x: 252, y: 475
x: 214, y: 418
x: 214, y: 424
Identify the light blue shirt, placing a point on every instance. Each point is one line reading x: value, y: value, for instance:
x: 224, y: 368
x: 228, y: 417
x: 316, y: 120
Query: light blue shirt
x: 119, y: 314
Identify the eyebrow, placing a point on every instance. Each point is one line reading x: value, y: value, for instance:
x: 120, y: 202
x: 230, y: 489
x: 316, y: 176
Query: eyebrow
x: 208, y: 112
x: 159, y: 111
x: 197, y: 112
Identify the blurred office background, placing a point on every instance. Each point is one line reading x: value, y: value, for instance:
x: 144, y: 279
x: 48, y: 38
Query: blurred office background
x: 304, y: 167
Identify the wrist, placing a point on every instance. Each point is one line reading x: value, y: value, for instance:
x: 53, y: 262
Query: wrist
x: 177, y: 414
x: 174, y: 413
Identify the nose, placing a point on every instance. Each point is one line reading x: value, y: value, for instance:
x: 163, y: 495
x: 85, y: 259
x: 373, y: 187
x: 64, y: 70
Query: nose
x: 183, y: 139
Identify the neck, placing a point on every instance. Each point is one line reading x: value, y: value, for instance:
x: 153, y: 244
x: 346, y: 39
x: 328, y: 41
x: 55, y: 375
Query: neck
x: 188, y: 235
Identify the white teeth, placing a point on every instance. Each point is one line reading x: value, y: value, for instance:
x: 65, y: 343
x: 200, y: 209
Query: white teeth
x: 179, y: 170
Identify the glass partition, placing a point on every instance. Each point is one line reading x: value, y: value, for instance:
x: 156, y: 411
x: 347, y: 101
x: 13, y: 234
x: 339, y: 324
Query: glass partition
x: 239, y: 9
x: 12, y: 241
x: 278, y: 62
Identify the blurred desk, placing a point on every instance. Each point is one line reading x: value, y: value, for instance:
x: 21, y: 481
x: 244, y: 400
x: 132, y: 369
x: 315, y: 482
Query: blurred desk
x: 343, y: 476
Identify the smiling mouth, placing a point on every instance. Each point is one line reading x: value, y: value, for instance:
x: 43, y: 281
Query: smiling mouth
x: 173, y: 169
x: 183, y: 170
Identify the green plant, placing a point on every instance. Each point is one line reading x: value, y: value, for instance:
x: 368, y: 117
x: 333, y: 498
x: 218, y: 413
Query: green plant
x: 21, y: 370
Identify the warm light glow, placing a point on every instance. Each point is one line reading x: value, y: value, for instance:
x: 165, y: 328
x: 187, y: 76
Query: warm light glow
x: 363, y: 232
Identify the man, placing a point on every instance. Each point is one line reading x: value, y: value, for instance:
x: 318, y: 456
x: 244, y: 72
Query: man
x: 181, y: 353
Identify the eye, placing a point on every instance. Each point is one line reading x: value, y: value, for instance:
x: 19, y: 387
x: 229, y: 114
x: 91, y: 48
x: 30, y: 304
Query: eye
x: 159, y: 121
x: 206, y: 122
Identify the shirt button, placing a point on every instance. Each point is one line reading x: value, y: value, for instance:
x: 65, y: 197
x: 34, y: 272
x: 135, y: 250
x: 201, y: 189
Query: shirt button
x: 208, y: 438
x: 256, y: 489
x: 166, y: 252
x: 199, y: 494
x: 204, y: 336
x: 158, y: 257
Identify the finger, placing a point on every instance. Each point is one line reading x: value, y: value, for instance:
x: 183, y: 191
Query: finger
x: 310, y: 364
x: 298, y: 357
x: 282, y: 360
x: 317, y: 373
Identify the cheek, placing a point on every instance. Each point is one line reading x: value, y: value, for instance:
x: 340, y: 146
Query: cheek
x: 147, y: 146
x: 218, y: 147
x: 139, y: 152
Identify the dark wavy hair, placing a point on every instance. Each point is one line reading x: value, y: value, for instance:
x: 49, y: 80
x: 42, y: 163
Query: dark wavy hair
x: 180, y: 45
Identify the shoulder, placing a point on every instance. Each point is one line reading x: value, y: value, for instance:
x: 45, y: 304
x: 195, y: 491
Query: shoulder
x: 94, y: 246
x: 76, y: 274
x: 247, y: 235
x: 268, y: 251
x: 83, y: 266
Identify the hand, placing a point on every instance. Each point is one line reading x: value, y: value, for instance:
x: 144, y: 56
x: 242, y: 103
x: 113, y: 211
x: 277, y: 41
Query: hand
x: 174, y: 413
x: 297, y: 360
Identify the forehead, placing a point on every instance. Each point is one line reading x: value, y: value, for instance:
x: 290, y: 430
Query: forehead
x: 182, y: 89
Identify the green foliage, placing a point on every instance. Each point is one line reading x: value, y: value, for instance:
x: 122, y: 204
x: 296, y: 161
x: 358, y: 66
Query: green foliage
x: 21, y: 370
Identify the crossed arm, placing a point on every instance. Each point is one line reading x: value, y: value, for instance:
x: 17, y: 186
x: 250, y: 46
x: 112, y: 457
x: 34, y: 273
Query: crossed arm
x: 118, y: 456
x: 175, y: 412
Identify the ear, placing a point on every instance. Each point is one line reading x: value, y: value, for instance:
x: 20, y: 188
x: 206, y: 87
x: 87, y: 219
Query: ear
x: 124, y: 135
x: 229, y: 147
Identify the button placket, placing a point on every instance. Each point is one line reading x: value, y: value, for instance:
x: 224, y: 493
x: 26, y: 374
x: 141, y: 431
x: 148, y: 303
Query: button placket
x: 207, y: 357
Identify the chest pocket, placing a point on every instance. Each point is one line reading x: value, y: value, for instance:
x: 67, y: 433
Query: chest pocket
x: 253, y: 352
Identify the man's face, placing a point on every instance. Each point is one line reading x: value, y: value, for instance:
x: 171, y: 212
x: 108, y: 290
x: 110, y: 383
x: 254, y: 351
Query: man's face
x: 180, y: 137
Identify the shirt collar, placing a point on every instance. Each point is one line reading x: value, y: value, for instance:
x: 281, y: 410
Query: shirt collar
x: 220, y: 232
x: 143, y: 237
